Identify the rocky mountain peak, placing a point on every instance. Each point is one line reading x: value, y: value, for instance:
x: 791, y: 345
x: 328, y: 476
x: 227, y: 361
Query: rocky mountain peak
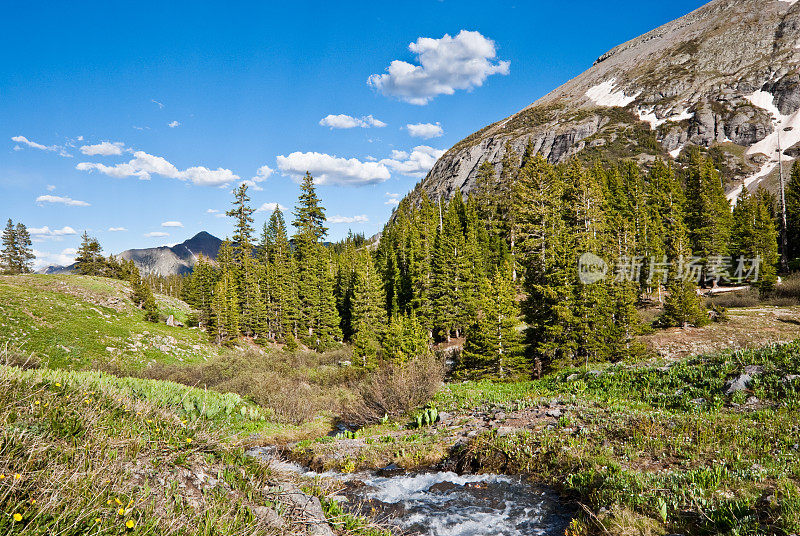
x: 724, y: 76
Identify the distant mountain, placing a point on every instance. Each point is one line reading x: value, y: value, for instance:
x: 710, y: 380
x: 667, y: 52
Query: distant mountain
x: 55, y: 269
x: 726, y: 76
x: 178, y: 259
x: 164, y: 260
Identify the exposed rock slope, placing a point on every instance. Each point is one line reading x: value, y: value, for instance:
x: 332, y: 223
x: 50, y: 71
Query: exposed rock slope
x: 725, y: 75
x: 178, y: 259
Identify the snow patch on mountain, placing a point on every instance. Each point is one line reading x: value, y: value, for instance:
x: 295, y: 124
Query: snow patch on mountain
x: 605, y: 95
x: 649, y: 116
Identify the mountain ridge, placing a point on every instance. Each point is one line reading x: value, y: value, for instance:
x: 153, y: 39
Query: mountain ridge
x: 162, y: 260
x: 724, y: 76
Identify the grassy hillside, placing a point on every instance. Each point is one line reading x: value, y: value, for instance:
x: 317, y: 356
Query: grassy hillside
x: 85, y: 453
x: 660, y: 447
x: 70, y: 321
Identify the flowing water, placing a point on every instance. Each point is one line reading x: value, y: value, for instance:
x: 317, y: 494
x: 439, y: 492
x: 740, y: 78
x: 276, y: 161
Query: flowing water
x: 447, y: 504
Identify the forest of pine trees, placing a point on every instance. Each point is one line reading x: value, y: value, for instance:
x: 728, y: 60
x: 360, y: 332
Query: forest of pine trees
x: 497, y: 270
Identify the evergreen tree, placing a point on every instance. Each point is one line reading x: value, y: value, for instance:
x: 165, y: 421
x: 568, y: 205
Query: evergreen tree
x: 367, y: 314
x: 142, y: 297
x: 708, y: 212
x: 242, y: 213
x: 200, y: 287
x: 24, y: 254
x: 318, y: 318
x: 405, y: 339
x: 8, y: 258
x: 792, y: 194
x: 89, y: 258
x: 492, y: 345
x: 754, y: 240
x: 225, y: 308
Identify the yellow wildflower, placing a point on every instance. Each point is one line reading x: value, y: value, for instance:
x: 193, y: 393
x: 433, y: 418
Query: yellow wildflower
x: 116, y: 500
x: 121, y: 511
x: 97, y: 520
x: 58, y: 384
x: 37, y: 402
x: 33, y: 501
x: 188, y: 440
x: 17, y: 476
x: 130, y: 524
x: 17, y: 517
x: 108, y: 502
x: 2, y: 477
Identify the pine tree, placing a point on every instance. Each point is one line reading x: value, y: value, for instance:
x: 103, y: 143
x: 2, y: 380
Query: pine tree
x: 89, y: 259
x: 142, y: 297
x: 225, y: 308
x: 367, y: 314
x: 242, y: 213
x: 682, y: 306
x: 8, y: 257
x: 405, y: 339
x: 755, y: 240
x: 708, y: 212
x: 493, y: 345
x: 318, y: 318
x: 792, y: 194
x: 24, y: 254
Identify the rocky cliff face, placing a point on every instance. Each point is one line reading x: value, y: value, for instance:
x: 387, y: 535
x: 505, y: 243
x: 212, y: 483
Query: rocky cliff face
x: 178, y: 259
x: 724, y: 76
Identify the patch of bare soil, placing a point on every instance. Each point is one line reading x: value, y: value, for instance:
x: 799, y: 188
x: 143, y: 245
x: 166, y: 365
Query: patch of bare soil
x: 745, y: 328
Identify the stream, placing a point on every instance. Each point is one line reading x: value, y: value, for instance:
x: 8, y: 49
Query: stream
x: 448, y: 504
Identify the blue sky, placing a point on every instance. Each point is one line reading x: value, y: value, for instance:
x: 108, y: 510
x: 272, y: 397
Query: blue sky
x: 135, y: 120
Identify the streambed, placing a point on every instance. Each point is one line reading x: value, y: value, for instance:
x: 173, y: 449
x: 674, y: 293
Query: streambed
x: 445, y: 503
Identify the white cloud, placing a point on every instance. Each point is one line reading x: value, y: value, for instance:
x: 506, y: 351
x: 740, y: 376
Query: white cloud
x: 105, y: 148
x: 348, y: 219
x: 416, y: 164
x: 44, y: 258
x: 53, y: 148
x: 270, y: 207
x: 328, y: 169
x: 61, y: 200
x: 425, y: 130
x: 144, y: 165
x: 347, y: 121
x: 160, y: 106
x: 173, y: 124
x: 262, y: 174
x: 155, y: 234
x: 51, y: 187
x: 42, y: 233
x: 117, y: 229
x: 172, y: 224
x: 444, y: 66
x: 393, y: 199
x: 212, y: 211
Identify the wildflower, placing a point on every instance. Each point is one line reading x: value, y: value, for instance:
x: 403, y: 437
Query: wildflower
x: 58, y: 384
x: 188, y: 440
x: 97, y: 520
x: 116, y: 500
x: 108, y: 502
x: 2, y: 476
x: 17, y: 476
x: 33, y: 501
x: 121, y: 511
x: 130, y: 503
x: 36, y: 403
x: 17, y: 517
x: 149, y: 421
x: 130, y: 524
